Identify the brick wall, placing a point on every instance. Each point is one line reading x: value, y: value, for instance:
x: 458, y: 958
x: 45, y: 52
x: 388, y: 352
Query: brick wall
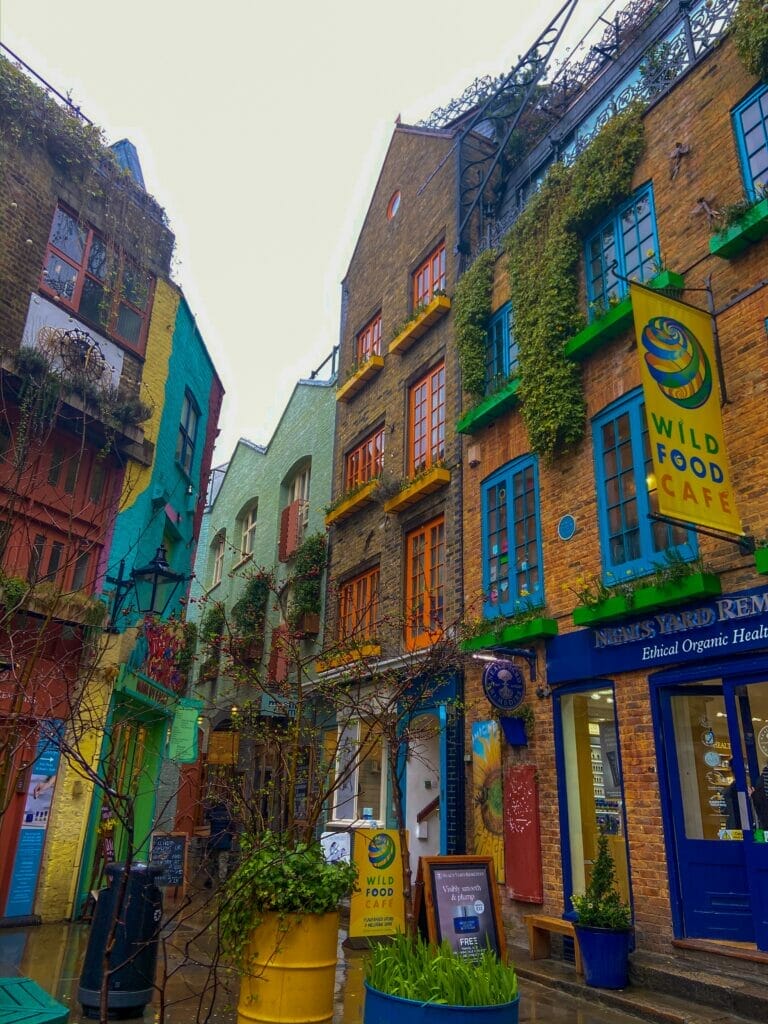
x: 696, y: 113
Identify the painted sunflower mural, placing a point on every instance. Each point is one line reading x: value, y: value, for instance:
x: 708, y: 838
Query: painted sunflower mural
x: 488, y: 794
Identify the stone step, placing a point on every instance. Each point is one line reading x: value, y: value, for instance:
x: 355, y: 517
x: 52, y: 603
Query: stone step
x: 647, y: 1001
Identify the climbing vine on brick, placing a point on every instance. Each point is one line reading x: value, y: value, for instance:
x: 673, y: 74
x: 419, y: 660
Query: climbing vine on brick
x: 750, y: 34
x: 543, y: 250
x: 471, y: 310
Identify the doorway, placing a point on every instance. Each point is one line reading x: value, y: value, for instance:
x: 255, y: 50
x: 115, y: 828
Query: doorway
x: 715, y: 744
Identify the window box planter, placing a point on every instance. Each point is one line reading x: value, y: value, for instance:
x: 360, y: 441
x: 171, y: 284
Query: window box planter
x: 612, y: 608
x: 359, y: 378
x: 353, y: 503
x: 247, y: 650
x: 699, y: 584
x: 490, y: 408
x: 356, y: 653
x: 761, y: 560
x: 308, y: 624
x: 431, y: 313
x: 750, y: 227
x: 536, y: 629
x: 617, y: 320
x: 426, y: 484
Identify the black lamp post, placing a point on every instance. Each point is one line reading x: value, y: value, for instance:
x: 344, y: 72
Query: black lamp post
x: 155, y: 585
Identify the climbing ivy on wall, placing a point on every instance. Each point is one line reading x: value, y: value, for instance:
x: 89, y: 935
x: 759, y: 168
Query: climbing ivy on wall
x: 750, y: 34
x: 542, y: 252
x: 471, y: 310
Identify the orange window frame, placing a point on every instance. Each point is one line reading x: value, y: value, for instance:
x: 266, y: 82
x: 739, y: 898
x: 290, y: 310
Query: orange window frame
x: 429, y: 277
x: 425, y: 583
x: 359, y: 606
x: 426, y: 421
x: 369, y: 340
x: 366, y: 461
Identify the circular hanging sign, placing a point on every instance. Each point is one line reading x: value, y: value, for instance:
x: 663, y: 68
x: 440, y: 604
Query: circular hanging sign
x: 762, y: 740
x: 503, y: 685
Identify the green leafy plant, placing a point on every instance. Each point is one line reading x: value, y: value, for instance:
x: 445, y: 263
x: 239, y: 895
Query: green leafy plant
x: 750, y: 35
x: 412, y: 969
x: 526, y: 613
x: 471, y: 310
x: 249, y: 611
x: 601, y: 906
x: 308, y: 564
x: 733, y: 212
x: 278, y: 875
x: 333, y: 505
x: 13, y: 590
x: 212, y: 625
x: 543, y: 249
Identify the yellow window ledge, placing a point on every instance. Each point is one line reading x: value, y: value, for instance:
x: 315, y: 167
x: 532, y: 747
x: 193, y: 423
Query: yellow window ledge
x: 356, y: 653
x: 431, y: 481
x: 436, y: 309
x: 353, y: 503
x: 359, y: 378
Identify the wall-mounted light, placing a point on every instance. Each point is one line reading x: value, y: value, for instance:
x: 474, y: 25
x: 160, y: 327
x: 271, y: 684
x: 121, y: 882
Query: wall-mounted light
x: 154, y: 584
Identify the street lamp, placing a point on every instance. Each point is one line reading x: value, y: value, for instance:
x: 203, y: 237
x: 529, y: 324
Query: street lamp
x: 155, y: 585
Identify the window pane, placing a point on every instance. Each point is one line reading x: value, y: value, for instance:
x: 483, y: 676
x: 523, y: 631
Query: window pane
x: 68, y: 236
x: 129, y: 324
x: 60, y: 277
x: 97, y: 259
x: 93, y: 301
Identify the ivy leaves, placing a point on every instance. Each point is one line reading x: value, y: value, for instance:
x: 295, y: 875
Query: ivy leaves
x: 471, y: 310
x: 750, y: 34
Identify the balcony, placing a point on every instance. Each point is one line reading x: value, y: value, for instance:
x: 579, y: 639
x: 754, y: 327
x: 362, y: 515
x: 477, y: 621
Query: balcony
x: 420, y: 324
x: 355, y: 501
x: 490, y: 408
x: 357, y: 381
x: 513, y: 633
x: 426, y: 483
x: 617, y: 320
x: 750, y: 228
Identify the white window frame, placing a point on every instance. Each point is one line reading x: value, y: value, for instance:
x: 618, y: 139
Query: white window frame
x: 219, y: 548
x: 350, y: 792
x: 248, y: 532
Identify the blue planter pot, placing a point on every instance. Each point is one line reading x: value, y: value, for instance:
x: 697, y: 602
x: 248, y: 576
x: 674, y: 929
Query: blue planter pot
x: 384, y: 1009
x: 514, y: 731
x: 604, y: 955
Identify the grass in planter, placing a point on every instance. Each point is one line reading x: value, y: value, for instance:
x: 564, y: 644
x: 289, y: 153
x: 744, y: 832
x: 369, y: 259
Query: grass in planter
x: 412, y: 969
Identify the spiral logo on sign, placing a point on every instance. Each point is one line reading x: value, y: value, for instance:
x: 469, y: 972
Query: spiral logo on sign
x: 381, y: 851
x: 677, y: 362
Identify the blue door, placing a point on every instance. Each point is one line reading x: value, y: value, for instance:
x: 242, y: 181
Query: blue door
x: 714, y: 758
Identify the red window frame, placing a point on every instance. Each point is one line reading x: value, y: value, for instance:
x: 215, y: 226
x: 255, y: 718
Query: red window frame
x: 424, y: 583
x: 426, y: 421
x: 359, y: 606
x: 118, y: 287
x: 368, y: 342
x: 366, y: 461
x: 429, y: 277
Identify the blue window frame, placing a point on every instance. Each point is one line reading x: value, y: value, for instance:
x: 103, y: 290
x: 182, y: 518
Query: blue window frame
x: 501, y: 351
x: 631, y: 543
x: 750, y: 120
x: 628, y: 238
x: 512, y: 567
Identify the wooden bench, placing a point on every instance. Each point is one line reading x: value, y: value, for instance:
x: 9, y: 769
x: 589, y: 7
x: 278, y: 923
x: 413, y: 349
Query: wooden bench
x: 540, y: 928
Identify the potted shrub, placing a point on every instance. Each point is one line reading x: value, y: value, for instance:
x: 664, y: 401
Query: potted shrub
x: 414, y: 983
x: 279, y: 927
x: 603, y: 927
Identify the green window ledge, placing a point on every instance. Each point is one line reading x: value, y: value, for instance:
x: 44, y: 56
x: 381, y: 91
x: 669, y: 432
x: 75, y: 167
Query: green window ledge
x: 617, y: 320
x: 490, y: 408
x: 750, y: 228
x: 647, y: 599
x: 761, y: 560
x: 536, y: 629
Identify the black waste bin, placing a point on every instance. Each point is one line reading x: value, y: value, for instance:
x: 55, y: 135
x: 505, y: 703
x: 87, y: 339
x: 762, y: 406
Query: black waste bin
x: 134, y: 955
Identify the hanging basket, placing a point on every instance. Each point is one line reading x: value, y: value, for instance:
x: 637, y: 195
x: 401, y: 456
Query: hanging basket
x: 514, y: 731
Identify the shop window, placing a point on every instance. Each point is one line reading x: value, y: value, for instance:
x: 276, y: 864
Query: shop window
x: 425, y: 583
x: 358, y: 758
x: 426, y: 422
x: 368, y: 341
x: 359, y: 607
x: 366, y: 461
x: 185, y: 445
x: 750, y: 121
x: 429, y: 277
x: 100, y: 283
x: 628, y: 239
x: 591, y: 769
x: 501, y: 352
x: 218, y: 549
x: 632, y: 544
x: 512, y: 576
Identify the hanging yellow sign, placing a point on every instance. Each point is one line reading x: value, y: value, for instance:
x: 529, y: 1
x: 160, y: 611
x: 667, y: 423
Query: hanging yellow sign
x: 682, y: 403
x: 378, y: 905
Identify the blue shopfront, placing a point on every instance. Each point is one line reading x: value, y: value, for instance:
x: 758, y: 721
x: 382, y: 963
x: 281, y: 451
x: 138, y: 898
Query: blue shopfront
x: 706, y: 668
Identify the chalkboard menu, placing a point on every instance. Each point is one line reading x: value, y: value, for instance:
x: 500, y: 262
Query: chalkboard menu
x: 458, y: 901
x: 170, y: 850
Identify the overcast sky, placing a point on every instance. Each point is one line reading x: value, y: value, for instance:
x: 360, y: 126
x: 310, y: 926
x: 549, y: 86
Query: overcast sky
x: 261, y: 129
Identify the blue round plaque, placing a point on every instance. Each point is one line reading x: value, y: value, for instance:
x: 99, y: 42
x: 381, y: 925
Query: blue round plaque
x: 503, y: 685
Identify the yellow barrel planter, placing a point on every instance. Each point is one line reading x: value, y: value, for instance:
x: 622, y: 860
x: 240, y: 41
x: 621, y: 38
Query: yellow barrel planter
x: 292, y: 970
